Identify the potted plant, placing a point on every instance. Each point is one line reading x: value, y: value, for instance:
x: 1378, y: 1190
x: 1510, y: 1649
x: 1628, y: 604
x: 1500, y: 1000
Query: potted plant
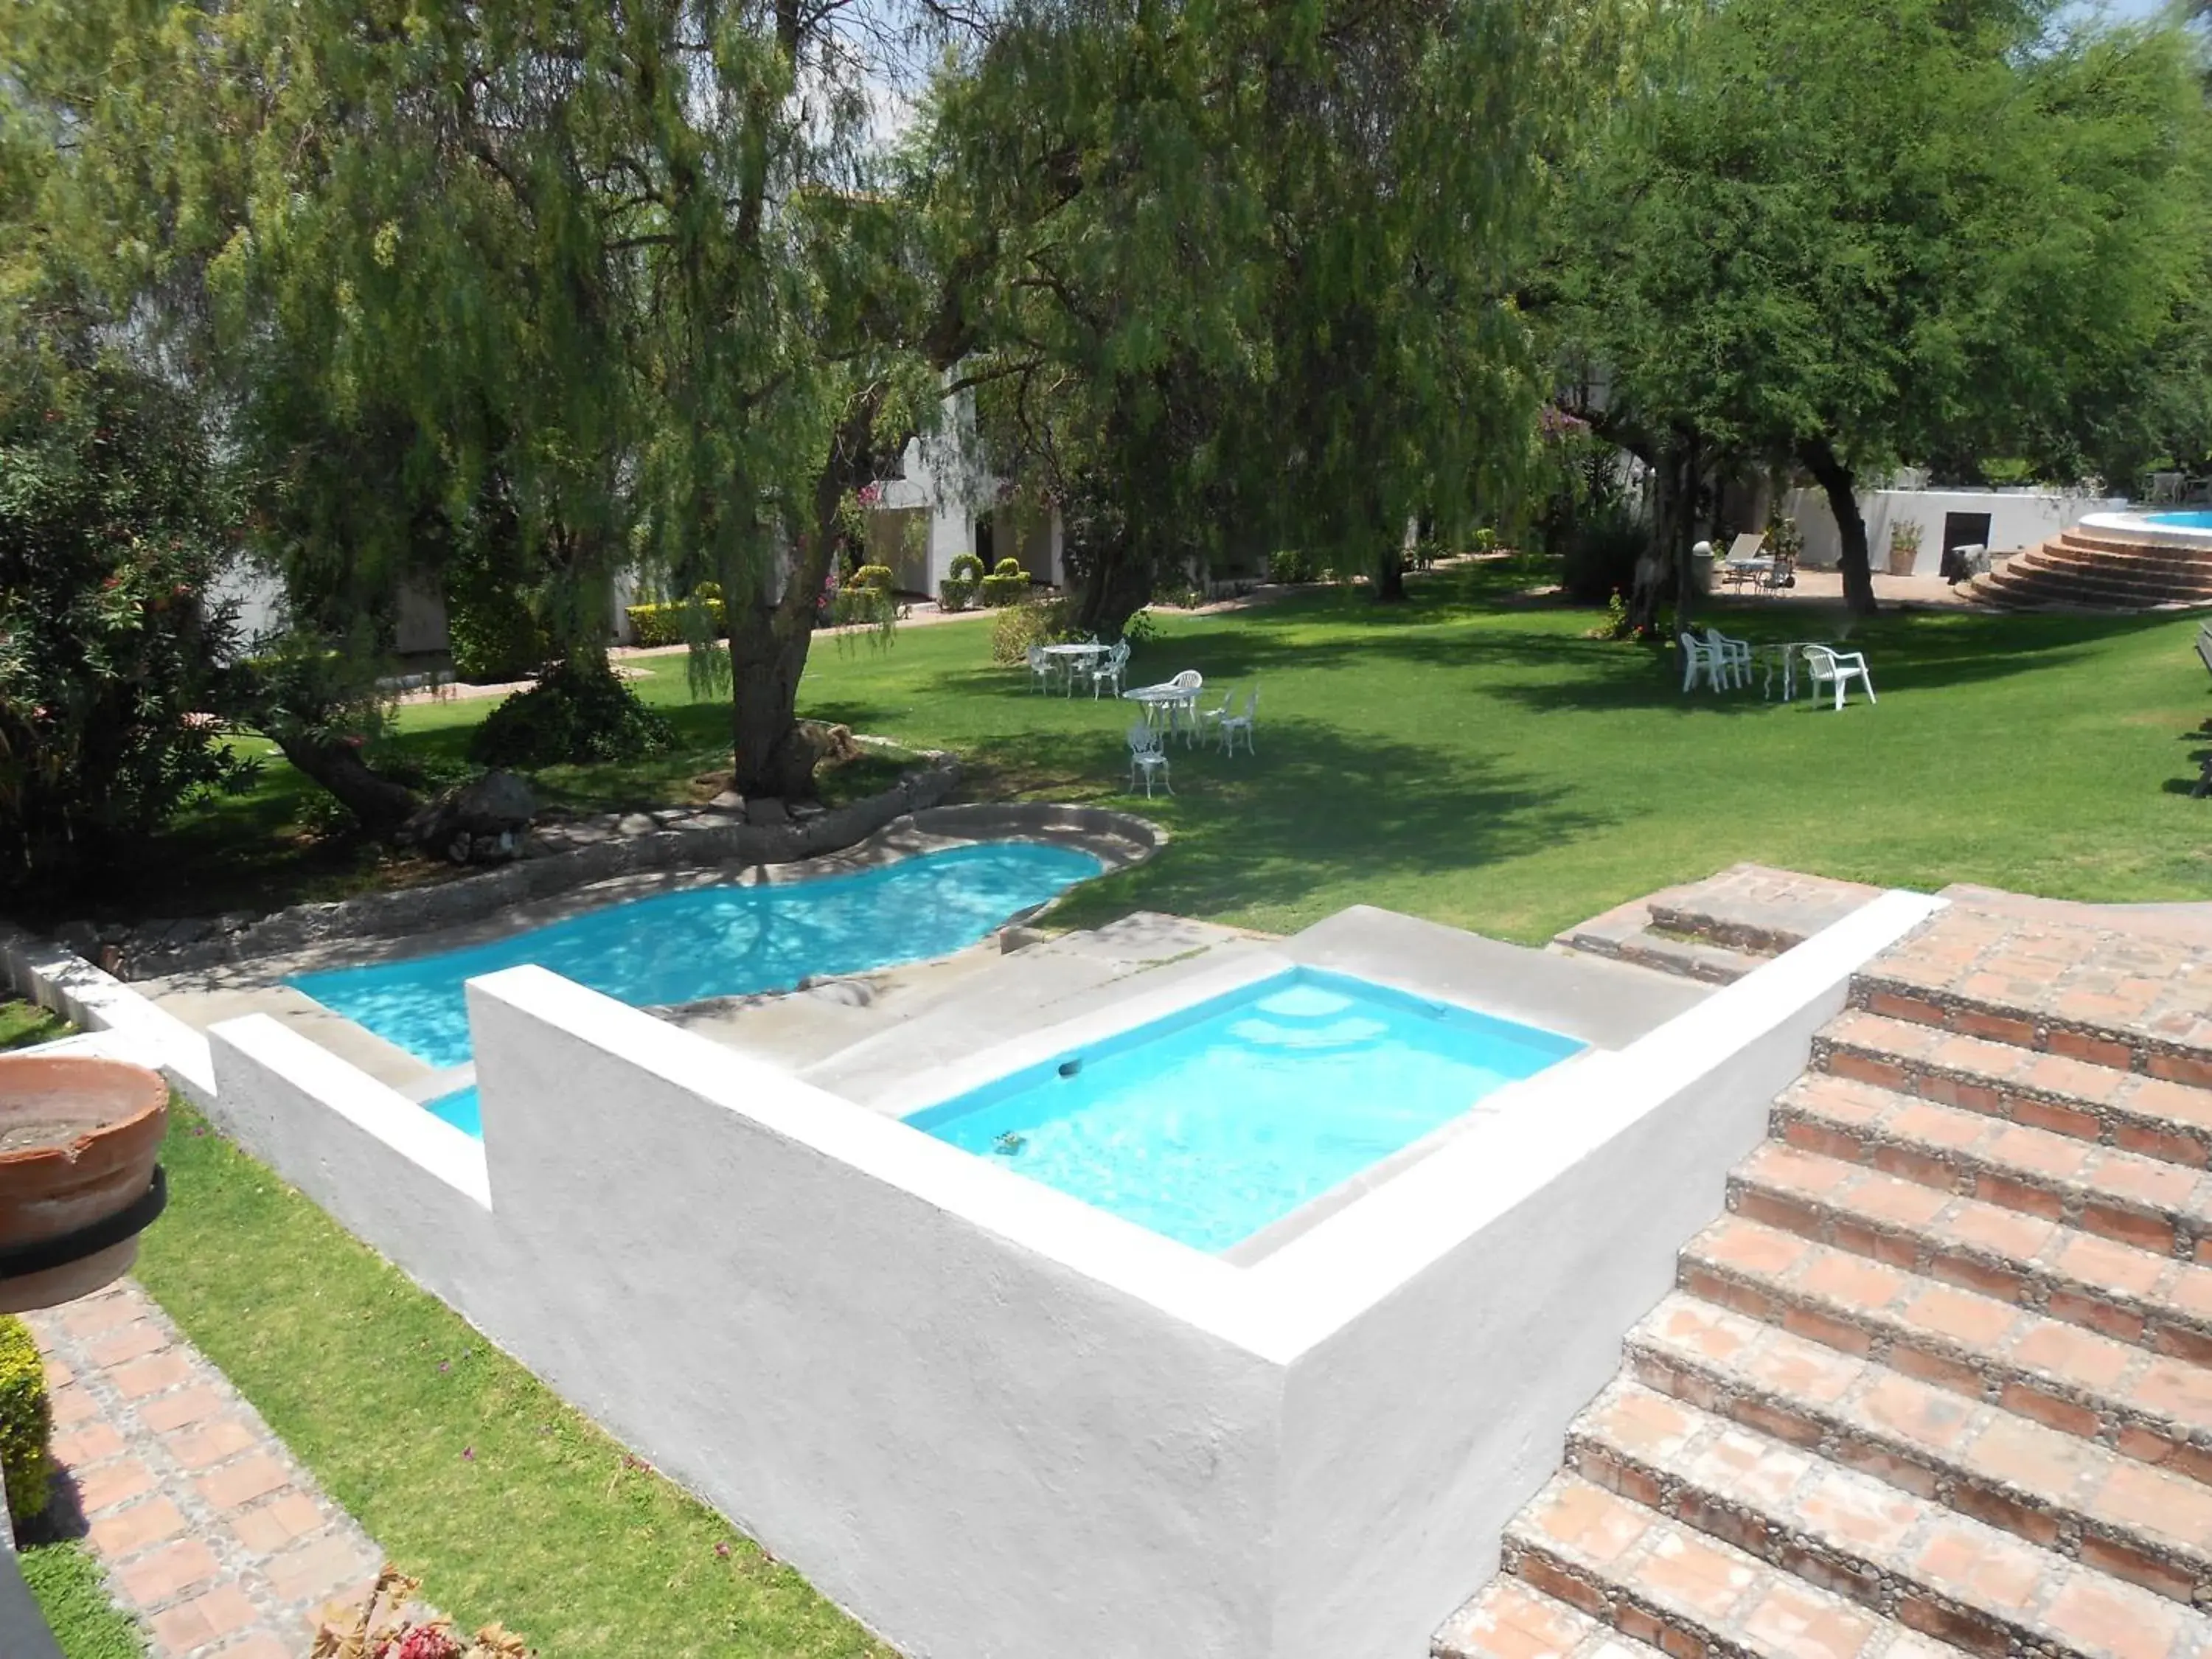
x: 79, y: 1138
x: 1903, y: 547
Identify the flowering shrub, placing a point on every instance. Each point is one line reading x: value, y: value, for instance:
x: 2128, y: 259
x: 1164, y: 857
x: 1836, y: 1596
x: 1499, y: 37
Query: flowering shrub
x: 110, y: 642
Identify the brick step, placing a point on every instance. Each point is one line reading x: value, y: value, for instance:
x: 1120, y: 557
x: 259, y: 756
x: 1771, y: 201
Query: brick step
x: 1510, y: 1619
x: 2098, y: 542
x: 2025, y: 585
x: 1689, y: 958
x: 1662, y: 1582
x: 2142, y: 561
x: 2082, y: 1278
x: 2149, y: 1407
x: 1978, y: 1586
x: 2053, y: 1489
x: 2018, y: 1022
x: 2039, y: 572
x: 2146, y: 1202
x: 2151, y: 1116
x: 2103, y: 572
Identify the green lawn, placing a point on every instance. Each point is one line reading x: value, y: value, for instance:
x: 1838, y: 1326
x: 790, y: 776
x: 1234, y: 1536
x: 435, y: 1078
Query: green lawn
x: 22, y: 1023
x: 1473, y: 757
x: 72, y: 1593
x: 469, y: 1471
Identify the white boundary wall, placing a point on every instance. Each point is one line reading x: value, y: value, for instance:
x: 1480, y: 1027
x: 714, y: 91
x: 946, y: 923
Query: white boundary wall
x: 2018, y: 519
x: 995, y: 1422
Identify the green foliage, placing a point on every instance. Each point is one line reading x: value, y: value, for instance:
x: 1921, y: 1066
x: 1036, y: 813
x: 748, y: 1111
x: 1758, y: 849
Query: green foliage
x: 71, y: 1590
x: 579, y: 712
x: 957, y: 594
x: 665, y: 624
x: 1002, y: 588
x: 111, y: 541
x: 1291, y: 565
x: 1018, y: 627
x: 1602, y: 551
x: 496, y: 642
x: 1010, y: 565
x: 1486, y: 540
x: 877, y: 576
x: 26, y: 1422
x: 965, y: 567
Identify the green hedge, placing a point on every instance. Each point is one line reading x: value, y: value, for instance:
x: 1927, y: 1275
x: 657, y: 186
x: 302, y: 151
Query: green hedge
x: 494, y: 640
x: 1005, y: 587
x: 662, y: 624
x: 26, y: 1421
x: 877, y: 576
x: 965, y: 567
x: 956, y: 594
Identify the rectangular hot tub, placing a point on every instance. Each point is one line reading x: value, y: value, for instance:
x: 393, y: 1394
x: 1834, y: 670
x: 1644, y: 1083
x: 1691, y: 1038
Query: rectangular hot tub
x: 1220, y: 1119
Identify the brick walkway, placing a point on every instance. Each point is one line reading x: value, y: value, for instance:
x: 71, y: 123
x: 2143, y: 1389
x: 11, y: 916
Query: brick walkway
x: 211, y: 1532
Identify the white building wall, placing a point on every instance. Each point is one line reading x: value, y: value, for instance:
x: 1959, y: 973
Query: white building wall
x: 2018, y: 519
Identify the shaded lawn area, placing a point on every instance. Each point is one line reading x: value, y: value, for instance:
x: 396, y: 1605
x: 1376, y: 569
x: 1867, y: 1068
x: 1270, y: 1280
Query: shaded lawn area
x: 471, y: 1475
x: 22, y: 1023
x: 1472, y: 758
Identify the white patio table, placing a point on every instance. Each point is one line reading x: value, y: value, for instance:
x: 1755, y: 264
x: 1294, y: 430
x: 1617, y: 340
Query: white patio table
x: 1783, y: 657
x: 1074, y: 659
x: 1177, y: 704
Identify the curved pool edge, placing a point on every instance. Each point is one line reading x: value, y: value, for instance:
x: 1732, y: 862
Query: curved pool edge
x: 2144, y: 529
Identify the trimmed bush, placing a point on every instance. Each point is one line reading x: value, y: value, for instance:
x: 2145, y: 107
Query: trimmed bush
x: 877, y: 576
x: 965, y: 567
x: 26, y: 1422
x: 1288, y: 566
x: 1007, y: 583
x: 1019, y: 627
x: 494, y: 640
x: 954, y: 594
x: 574, y: 714
x: 662, y: 624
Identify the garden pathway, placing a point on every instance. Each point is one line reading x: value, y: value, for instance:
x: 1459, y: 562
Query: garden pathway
x: 211, y: 1532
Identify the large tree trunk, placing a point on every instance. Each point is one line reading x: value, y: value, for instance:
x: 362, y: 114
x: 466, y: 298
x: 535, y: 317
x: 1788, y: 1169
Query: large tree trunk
x: 1112, y: 590
x: 1835, y: 479
x: 769, y: 636
x: 379, y: 803
x: 1390, y: 578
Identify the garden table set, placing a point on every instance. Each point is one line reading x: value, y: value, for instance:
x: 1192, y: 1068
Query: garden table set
x: 1723, y: 662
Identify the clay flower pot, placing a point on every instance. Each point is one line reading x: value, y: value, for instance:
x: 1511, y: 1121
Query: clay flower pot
x: 78, y: 1140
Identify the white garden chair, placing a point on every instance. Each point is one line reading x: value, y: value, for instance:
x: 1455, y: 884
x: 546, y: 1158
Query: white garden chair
x: 1108, y: 672
x: 1231, y: 725
x: 1184, y: 710
x: 1041, y: 669
x: 1148, y: 755
x: 1209, y: 720
x: 1734, y: 656
x: 1829, y: 666
x: 1700, y: 662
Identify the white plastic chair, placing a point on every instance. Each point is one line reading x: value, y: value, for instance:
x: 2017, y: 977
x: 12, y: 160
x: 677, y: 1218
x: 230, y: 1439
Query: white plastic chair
x: 1700, y: 662
x: 1148, y: 755
x: 1109, y: 672
x: 1184, y: 711
x: 1041, y: 669
x: 1733, y: 655
x: 1246, y: 722
x: 1838, y: 668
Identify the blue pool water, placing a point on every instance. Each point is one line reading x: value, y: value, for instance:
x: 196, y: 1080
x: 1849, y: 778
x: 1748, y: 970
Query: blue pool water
x: 1210, y: 1124
x: 2182, y: 521
x: 714, y: 941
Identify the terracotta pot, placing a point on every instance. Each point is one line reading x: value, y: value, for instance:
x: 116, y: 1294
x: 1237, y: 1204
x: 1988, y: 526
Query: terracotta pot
x: 78, y: 1141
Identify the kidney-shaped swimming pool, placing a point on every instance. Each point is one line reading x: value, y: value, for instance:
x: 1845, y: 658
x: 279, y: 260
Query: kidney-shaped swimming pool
x: 717, y: 941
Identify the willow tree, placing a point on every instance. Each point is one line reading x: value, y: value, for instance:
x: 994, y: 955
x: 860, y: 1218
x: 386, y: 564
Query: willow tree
x: 1849, y: 234
x: 582, y: 288
x: 1249, y: 267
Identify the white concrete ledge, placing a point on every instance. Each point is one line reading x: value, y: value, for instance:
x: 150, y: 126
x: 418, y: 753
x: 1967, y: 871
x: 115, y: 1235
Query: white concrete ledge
x: 132, y: 1027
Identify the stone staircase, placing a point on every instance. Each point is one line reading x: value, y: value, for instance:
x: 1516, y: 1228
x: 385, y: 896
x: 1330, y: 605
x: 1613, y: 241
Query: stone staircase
x: 1940, y: 1377
x: 1719, y: 929
x: 2099, y: 570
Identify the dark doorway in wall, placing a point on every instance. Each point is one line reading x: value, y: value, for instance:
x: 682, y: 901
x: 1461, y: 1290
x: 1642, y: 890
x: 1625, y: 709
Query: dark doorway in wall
x: 1966, y: 529
x: 983, y: 541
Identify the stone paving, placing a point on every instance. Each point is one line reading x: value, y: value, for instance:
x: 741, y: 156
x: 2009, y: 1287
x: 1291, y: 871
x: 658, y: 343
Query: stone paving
x: 211, y: 1532
x: 1719, y: 928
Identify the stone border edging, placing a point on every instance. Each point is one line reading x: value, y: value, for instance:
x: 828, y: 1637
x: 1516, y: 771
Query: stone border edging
x: 694, y: 838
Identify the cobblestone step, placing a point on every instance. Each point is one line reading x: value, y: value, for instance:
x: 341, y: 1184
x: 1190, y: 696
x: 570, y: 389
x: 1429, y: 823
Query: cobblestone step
x: 1719, y: 929
x: 2089, y: 1099
x: 1662, y: 1581
x: 1978, y: 1586
x: 2149, y: 1407
x: 2153, y: 1301
x: 2154, y: 1205
x: 2054, y: 1490
x: 1989, y: 1004
x: 1511, y: 1620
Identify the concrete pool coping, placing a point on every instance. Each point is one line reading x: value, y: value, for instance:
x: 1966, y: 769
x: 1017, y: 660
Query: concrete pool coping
x: 1604, y: 1005
x: 203, y: 996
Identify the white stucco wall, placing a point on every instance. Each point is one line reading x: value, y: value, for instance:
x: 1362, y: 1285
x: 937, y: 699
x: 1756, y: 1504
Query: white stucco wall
x: 993, y: 1421
x: 2018, y: 519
